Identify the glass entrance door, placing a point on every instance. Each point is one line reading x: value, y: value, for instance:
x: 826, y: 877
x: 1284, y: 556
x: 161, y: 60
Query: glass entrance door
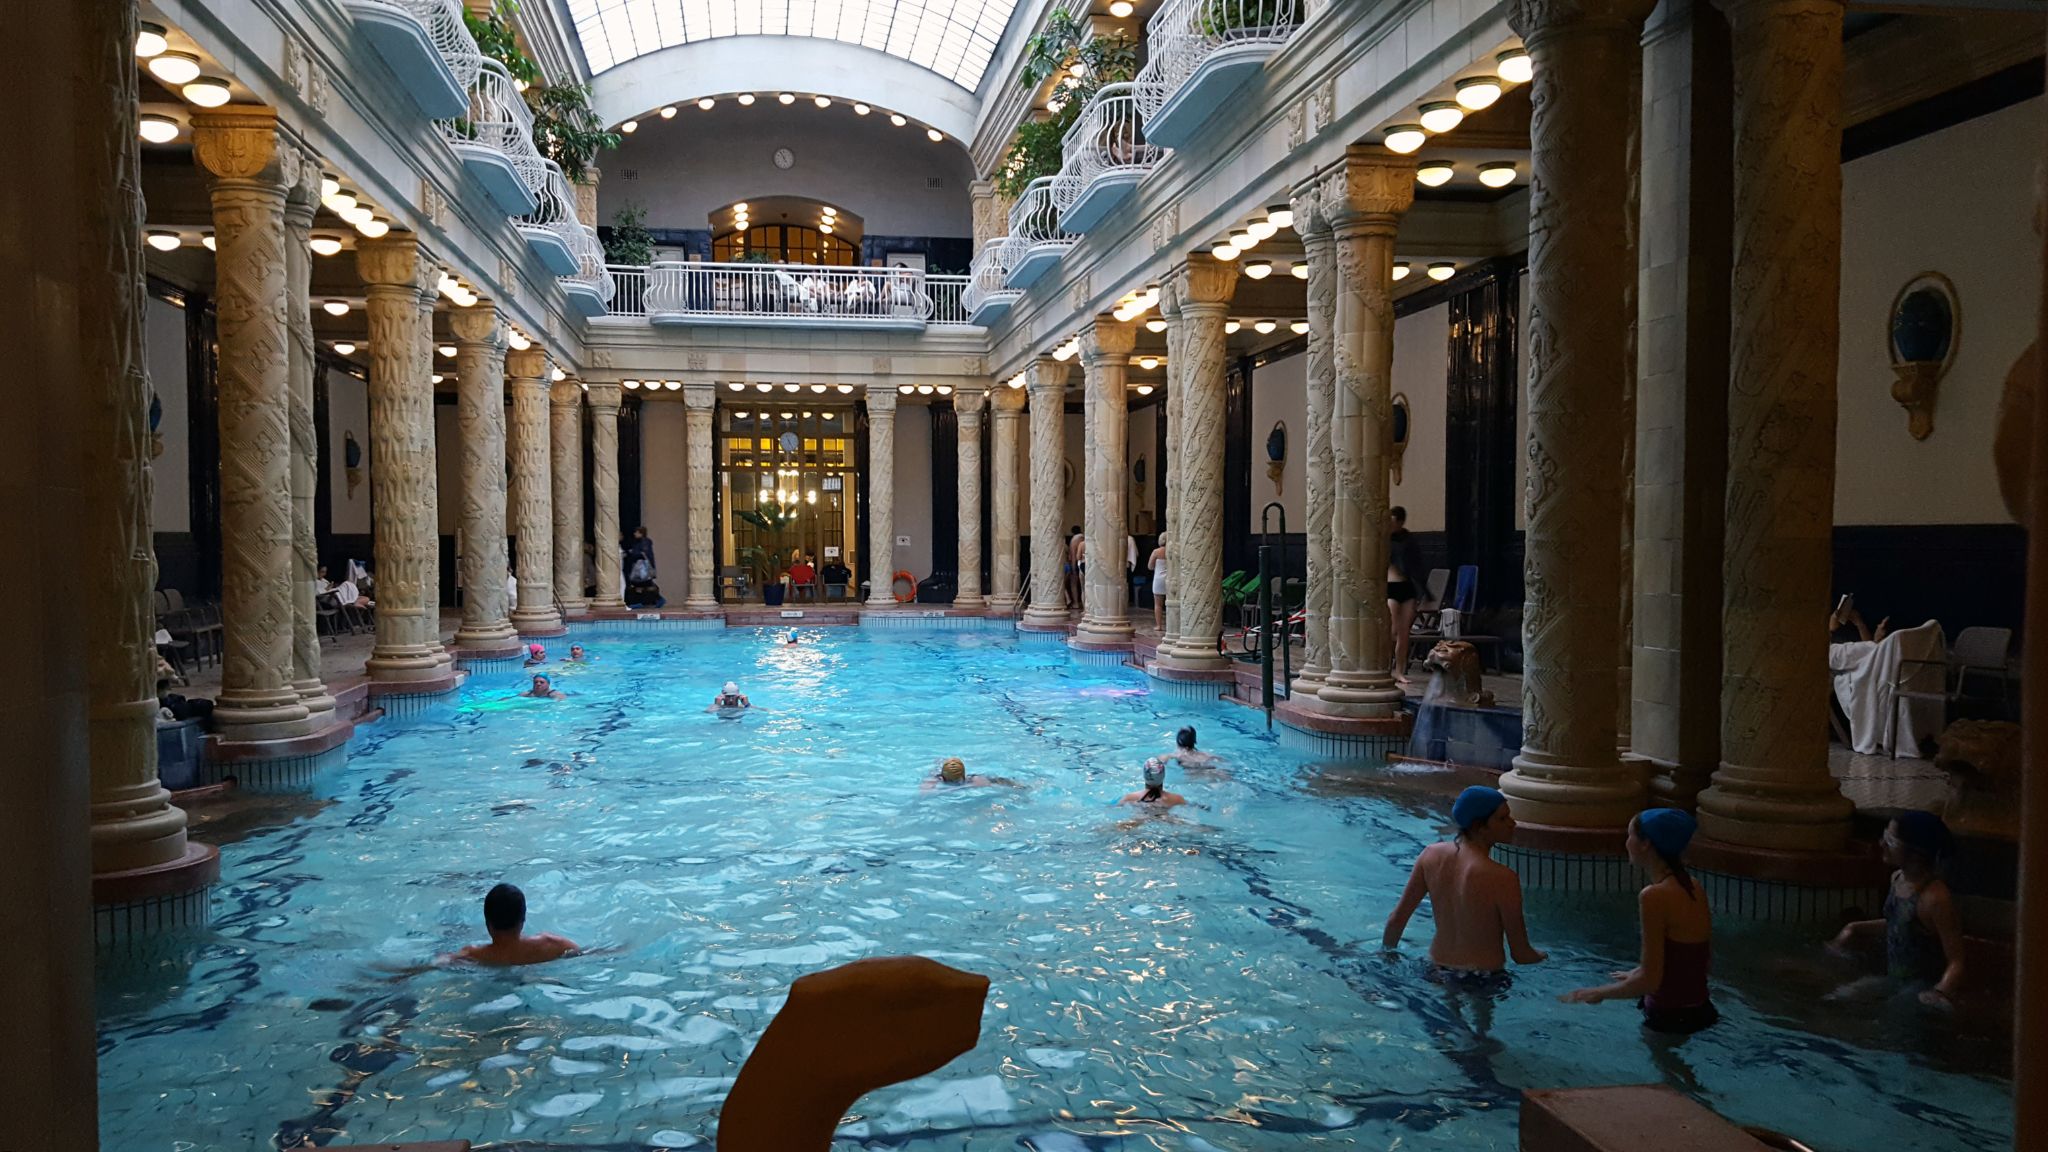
x: 786, y: 473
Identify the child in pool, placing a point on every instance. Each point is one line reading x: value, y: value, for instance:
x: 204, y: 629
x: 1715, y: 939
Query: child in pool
x: 1155, y: 793
x: 1669, y: 982
x: 1922, y: 932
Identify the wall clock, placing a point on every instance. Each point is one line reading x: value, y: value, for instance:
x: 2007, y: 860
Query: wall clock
x: 784, y: 158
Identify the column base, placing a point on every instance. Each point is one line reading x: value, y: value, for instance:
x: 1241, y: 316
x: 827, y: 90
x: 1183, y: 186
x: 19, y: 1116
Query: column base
x: 278, y: 715
x: 1103, y: 635
x: 1036, y: 619
x: 1308, y: 681
x: 1359, y: 694
x: 1674, y: 785
x: 1000, y: 605
x: 608, y: 604
x: 1181, y: 655
x: 970, y: 604
x: 1603, y: 796
x: 140, y: 903
x: 486, y: 637
x: 1791, y: 823
x: 1306, y: 726
x: 400, y: 699
x: 702, y: 604
x: 537, y: 622
x: 405, y: 662
x: 278, y: 765
x: 576, y: 607
x: 313, y: 694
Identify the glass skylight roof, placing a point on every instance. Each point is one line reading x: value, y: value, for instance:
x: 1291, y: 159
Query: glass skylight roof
x: 954, y: 38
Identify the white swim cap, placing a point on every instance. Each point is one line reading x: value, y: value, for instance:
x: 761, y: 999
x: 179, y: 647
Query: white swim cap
x: 731, y: 688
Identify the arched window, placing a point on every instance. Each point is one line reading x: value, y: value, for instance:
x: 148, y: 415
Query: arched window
x: 783, y: 244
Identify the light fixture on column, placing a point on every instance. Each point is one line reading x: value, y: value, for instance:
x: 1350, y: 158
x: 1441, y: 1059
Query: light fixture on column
x: 1405, y: 138
x: 150, y: 40
x: 1441, y: 115
x: 846, y: 389
x: 1144, y: 389
x: 935, y: 135
x: 1017, y: 381
x: 1062, y: 354
x: 630, y: 127
x: 328, y: 187
x: 924, y: 389
x: 1498, y: 174
x: 905, y: 389
x: 358, y: 215
x: 335, y: 307
x: 324, y: 245
x: 344, y: 348
x: 1120, y: 8
x: 861, y: 109
x: 377, y: 226
x: 817, y: 387
x: 1156, y: 324
x: 1262, y: 228
x: 672, y: 385
x: 518, y: 340
x: 822, y: 101
x: 897, y: 119
x: 206, y: 241
x: 207, y: 91
x: 437, y: 378
x: 1258, y: 269
x: 1298, y: 270
x: 1148, y: 363
x: 156, y: 128
x: 338, y: 201
x: 1476, y: 92
x: 1401, y: 271
x: 174, y: 68
x: 764, y: 387
x: 1264, y: 327
x: 792, y: 387
x: 557, y: 375
x: 1231, y: 327
x: 1442, y: 270
x: 785, y: 98
x: 1298, y: 327
x: 746, y: 99
x: 1514, y: 66
x: 945, y: 389
x: 447, y: 351
x: 1223, y: 250
x: 736, y: 386
x: 1281, y: 215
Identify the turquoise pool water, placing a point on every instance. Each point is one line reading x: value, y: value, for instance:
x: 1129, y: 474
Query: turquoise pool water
x: 1203, y: 982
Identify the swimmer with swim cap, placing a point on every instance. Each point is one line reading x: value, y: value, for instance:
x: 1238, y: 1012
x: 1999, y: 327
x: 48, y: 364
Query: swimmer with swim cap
x: 729, y: 697
x: 544, y: 688
x: 953, y: 773
x: 1185, y: 752
x: 1155, y: 792
x: 536, y: 654
x: 576, y: 654
x: 1477, y: 901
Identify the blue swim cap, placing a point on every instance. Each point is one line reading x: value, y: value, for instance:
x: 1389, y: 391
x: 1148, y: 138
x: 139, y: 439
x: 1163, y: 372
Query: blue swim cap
x: 1668, y: 830
x: 1475, y: 806
x: 1925, y: 833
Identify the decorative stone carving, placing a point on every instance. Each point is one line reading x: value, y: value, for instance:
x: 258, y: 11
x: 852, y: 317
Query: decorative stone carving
x: 1297, y: 126
x: 699, y: 404
x: 586, y: 196
x: 990, y: 221
x: 566, y: 462
x: 301, y: 202
x: 967, y: 404
x: 1773, y: 789
x: 480, y: 410
x: 1568, y: 772
x: 882, y: 367
x: 1166, y: 227
x: 252, y: 168
x: 1204, y: 286
x: 1321, y: 490
x: 603, y: 398
x: 1081, y: 294
x: 602, y: 358
x: 1046, y: 378
x: 426, y: 293
x: 306, y: 77
x: 698, y: 361
x: 532, y: 498
x: 434, y: 207
x: 1106, y: 347
x: 508, y: 281
x: 881, y: 493
x: 1170, y: 411
x: 1006, y: 595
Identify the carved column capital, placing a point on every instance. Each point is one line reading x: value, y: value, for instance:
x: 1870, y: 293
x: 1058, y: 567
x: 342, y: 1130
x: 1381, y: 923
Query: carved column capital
x: 881, y: 401
x: 969, y: 401
x: 1007, y: 400
x: 1370, y: 188
x: 390, y: 261
x: 1204, y: 281
x: 700, y: 397
x: 1534, y: 20
x: 1310, y: 217
x: 527, y: 364
x: 566, y: 393
x: 603, y: 395
x: 476, y: 325
x: 1045, y: 376
x: 242, y: 143
x: 1108, y: 340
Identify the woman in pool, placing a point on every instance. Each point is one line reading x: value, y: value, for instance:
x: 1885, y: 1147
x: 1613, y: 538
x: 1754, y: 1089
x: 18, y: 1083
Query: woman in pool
x: 536, y: 654
x: 1923, y: 935
x: 1155, y: 792
x: 730, y: 701
x: 543, y: 688
x: 1669, y: 983
x: 1189, y: 756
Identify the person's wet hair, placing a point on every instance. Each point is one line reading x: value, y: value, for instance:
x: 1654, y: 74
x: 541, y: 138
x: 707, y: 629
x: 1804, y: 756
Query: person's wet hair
x: 1926, y: 836
x: 1399, y: 514
x: 1185, y: 738
x: 505, y: 909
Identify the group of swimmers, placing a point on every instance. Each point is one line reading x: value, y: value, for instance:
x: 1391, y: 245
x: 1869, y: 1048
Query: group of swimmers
x: 543, y: 687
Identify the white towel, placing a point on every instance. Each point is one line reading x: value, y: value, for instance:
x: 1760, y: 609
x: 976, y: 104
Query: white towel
x: 1864, y: 672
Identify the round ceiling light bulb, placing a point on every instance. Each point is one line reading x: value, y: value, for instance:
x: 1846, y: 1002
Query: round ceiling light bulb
x: 897, y: 119
x: 629, y: 385
x: 324, y: 245
x: 746, y: 99
x: 1433, y: 173
x: 162, y: 240
x: 1155, y: 325
x: 344, y: 348
x: 630, y: 127
x: 1300, y: 270
x: 338, y: 201
x: 924, y: 389
x: 1514, y: 66
x: 157, y: 128
x: 1148, y: 363
x: 1405, y: 138
x: 175, y: 68
x: 861, y: 109
x: 335, y: 307
x: 1498, y: 174
x: 935, y: 135
x: 1120, y: 8
x: 207, y: 242
x: 764, y: 387
x: 944, y: 390
x: 1281, y: 215
x: 1442, y: 270
x: 1298, y: 327
x: 1144, y: 389
x: 846, y: 389
x: 822, y: 101
x: 785, y: 98
x: 707, y: 103
x: 448, y: 350
x: 672, y: 385
x: 1243, y: 241
x: 329, y: 186
x: 668, y: 112
x: 792, y: 387
x: 1232, y: 327
x: 740, y: 208
x: 1258, y: 269
x: 207, y: 91
x: 374, y: 227
x: 825, y: 228
x: 557, y: 375
x: 1401, y: 271
x: 1262, y: 327
x: 150, y: 41
x: 1262, y: 228
x: 905, y: 389
x: 358, y: 215
x: 736, y: 386
x: 1224, y: 251
x: 817, y: 387
x: 1477, y: 92
x: 1441, y: 115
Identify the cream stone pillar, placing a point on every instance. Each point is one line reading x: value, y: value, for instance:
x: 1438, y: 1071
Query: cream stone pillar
x: 1046, y: 380
x: 1204, y: 285
x: 967, y: 404
x: 426, y: 448
x: 1170, y: 411
x: 401, y: 464
x: 566, y: 461
x: 252, y: 168
x: 881, y: 557
x: 1362, y: 201
x: 1773, y: 789
x: 1320, y: 490
x: 532, y: 506
x: 480, y: 409
x: 300, y: 204
x: 700, y: 402
x: 603, y: 398
x: 1568, y: 773
x: 1006, y: 597
x: 1106, y: 356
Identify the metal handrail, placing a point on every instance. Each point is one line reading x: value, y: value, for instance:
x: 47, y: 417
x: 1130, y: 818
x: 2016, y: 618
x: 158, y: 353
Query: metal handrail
x: 1109, y: 137
x: 592, y: 272
x: 989, y: 274
x: 786, y: 291
x: 629, y: 297
x: 446, y: 31
x: 1183, y: 34
x: 949, y: 298
x: 499, y: 118
x: 1035, y: 217
x: 557, y: 204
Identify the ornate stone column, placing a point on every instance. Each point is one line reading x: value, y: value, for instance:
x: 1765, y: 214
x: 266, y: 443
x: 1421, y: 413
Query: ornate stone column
x: 1007, y: 598
x: 1046, y: 379
x: 700, y: 402
x: 426, y: 449
x: 401, y: 464
x: 1320, y: 491
x: 300, y: 204
x: 967, y: 404
x: 566, y: 461
x: 532, y: 507
x: 253, y: 167
x: 1106, y: 356
x: 1568, y: 773
x: 1170, y: 411
x: 603, y: 397
x: 480, y: 409
x: 1204, y: 285
x: 1773, y: 789
x: 881, y: 557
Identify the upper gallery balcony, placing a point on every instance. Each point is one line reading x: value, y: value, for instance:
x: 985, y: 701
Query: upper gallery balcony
x: 1202, y: 52
x: 426, y: 45
x: 591, y: 287
x: 987, y: 294
x: 494, y: 139
x: 550, y: 229
x: 1107, y: 153
x: 1036, y: 239
x: 789, y: 296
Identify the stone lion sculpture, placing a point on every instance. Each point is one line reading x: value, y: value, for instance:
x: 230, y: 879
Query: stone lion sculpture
x: 1454, y: 675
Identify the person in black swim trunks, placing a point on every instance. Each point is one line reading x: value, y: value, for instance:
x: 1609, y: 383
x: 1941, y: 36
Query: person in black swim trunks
x: 1404, y: 569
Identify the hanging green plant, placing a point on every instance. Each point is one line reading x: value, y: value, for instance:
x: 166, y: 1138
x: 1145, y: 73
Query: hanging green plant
x: 629, y: 243
x: 1089, y: 64
x: 565, y: 128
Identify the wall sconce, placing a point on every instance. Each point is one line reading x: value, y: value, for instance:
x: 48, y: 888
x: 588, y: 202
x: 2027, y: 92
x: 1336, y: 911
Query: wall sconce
x: 1925, y: 327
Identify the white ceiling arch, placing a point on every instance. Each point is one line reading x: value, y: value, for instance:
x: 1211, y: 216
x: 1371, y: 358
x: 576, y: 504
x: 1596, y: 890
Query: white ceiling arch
x: 800, y: 64
x: 952, y: 38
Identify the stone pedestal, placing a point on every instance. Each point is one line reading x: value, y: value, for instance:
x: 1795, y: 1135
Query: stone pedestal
x: 967, y: 404
x: 1773, y: 789
x: 1568, y: 773
x: 1319, y: 463
x: 1006, y: 596
x: 565, y: 461
x: 480, y: 409
x: 603, y: 398
x: 532, y: 503
x: 1046, y: 379
x: 1106, y: 355
x: 700, y: 402
x: 1203, y: 286
x: 881, y: 558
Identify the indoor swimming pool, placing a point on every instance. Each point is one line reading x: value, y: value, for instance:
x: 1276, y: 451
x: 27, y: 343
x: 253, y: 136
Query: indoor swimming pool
x: 1210, y: 980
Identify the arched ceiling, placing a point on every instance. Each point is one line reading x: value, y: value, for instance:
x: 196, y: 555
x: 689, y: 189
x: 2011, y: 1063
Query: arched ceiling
x: 954, y: 39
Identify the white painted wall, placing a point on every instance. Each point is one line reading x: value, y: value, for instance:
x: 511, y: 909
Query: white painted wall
x: 1958, y: 202
x: 665, y: 494
x: 163, y: 330
x: 348, y: 411
x: 1421, y: 371
x: 913, y: 511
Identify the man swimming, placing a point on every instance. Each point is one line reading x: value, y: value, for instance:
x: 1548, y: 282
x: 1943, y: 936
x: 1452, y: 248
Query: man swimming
x: 544, y: 688
x: 577, y: 655
x: 505, y: 918
x: 1187, y: 754
x: 729, y: 698
x: 793, y: 640
x: 953, y: 773
x: 1477, y: 901
x: 1155, y: 792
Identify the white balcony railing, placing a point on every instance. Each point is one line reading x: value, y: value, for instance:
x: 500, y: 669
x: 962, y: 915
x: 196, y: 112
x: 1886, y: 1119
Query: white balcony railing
x: 987, y: 293
x: 1199, y: 52
x: 1036, y: 241
x: 949, y: 298
x: 1106, y: 154
x: 590, y: 287
x: 629, y: 296
x: 495, y: 140
x: 788, y: 295
x: 427, y: 45
x: 550, y: 229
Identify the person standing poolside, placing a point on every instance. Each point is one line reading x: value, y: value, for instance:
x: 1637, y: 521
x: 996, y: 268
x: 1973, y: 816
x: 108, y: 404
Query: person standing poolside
x: 1923, y: 934
x: 1669, y: 981
x: 505, y: 918
x: 1477, y: 901
x: 729, y: 699
x: 1158, y: 566
x: 1155, y: 792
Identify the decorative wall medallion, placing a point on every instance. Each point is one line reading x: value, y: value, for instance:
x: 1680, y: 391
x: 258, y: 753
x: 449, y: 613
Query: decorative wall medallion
x: 601, y: 358
x: 433, y: 205
x: 882, y: 366
x: 785, y: 159
x: 1925, y: 326
x: 970, y: 366
x: 1080, y: 295
x: 699, y: 361
x: 508, y: 279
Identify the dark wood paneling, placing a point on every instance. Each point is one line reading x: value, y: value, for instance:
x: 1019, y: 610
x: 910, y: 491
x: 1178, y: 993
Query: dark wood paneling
x: 1960, y: 574
x: 1482, y: 391
x: 945, y: 465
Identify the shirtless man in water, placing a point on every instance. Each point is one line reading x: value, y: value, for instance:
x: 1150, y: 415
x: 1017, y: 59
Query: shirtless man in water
x: 953, y: 774
x: 505, y: 917
x: 1477, y: 901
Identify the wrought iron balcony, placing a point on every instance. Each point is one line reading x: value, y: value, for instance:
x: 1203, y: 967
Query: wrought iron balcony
x: 590, y: 287
x: 494, y: 139
x: 1036, y: 240
x: 427, y: 46
x: 789, y: 296
x: 988, y: 294
x: 1106, y: 153
x: 550, y: 229
x: 1200, y: 53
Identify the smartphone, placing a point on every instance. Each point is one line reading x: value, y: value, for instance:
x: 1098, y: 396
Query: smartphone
x: 1843, y: 604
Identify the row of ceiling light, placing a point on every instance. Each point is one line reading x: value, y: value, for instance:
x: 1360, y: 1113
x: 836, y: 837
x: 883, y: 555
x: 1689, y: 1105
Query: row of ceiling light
x: 181, y: 72
x: 1436, y: 117
x: 746, y: 100
x: 740, y: 386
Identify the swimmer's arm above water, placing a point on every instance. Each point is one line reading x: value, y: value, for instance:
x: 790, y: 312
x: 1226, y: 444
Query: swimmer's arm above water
x: 1411, y: 899
x: 1516, y: 927
x: 1644, y: 978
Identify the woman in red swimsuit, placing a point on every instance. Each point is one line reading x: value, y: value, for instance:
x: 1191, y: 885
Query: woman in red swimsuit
x: 1670, y: 981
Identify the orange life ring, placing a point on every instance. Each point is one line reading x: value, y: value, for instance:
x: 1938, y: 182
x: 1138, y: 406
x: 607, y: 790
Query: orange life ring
x: 903, y: 578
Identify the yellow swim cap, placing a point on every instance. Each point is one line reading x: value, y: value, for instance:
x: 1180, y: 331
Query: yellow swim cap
x: 953, y: 768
